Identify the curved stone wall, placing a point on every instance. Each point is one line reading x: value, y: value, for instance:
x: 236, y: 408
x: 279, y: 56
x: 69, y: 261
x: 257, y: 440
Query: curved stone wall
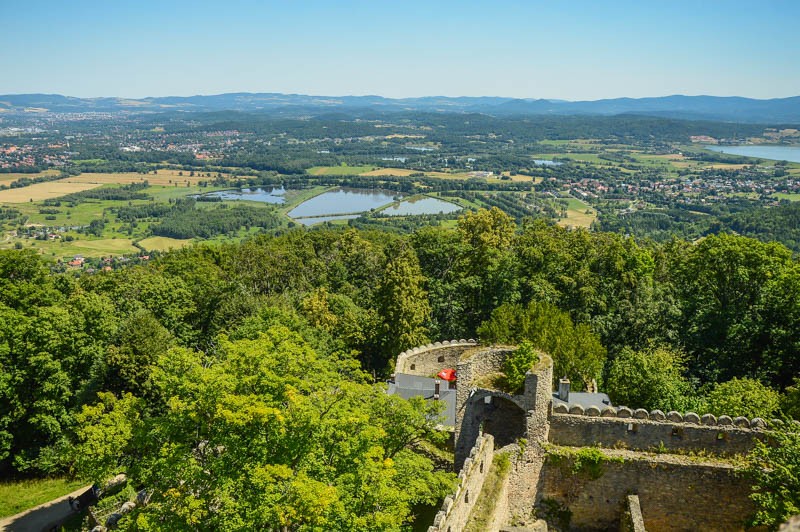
x: 428, y: 360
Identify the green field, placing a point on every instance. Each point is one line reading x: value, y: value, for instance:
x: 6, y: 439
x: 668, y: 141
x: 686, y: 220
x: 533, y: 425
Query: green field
x: 340, y: 170
x: 577, y: 214
x: 16, y: 497
x: 787, y: 196
x: 163, y: 243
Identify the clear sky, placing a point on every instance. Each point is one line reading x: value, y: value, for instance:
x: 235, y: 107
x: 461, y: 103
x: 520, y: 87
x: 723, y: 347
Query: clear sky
x: 571, y: 49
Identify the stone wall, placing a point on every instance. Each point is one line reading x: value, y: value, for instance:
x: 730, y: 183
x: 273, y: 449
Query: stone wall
x: 675, y: 493
x: 632, y: 518
x: 456, y: 507
x: 428, y: 360
x: 526, y: 472
x: 650, y: 435
x: 508, y: 417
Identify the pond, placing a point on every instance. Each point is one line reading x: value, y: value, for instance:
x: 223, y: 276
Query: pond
x: 263, y: 195
x: 343, y: 201
x: 422, y: 205
x: 776, y: 153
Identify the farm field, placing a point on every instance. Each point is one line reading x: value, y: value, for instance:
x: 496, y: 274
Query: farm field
x: 6, y: 179
x: 576, y: 214
x: 160, y: 178
x: 43, y: 191
x: 88, y: 248
x: 398, y: 172
x: 163, y: 243
x: 340, y: 170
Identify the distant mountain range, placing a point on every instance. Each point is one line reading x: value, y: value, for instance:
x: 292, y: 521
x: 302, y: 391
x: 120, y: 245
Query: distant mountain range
x: 733, y: 109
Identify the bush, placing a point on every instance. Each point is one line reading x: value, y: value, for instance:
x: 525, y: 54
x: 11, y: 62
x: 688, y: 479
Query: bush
x: 743, y: 397
x: 517, y: 365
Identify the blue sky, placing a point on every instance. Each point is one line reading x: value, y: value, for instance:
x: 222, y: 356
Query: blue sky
x: 556, y: 49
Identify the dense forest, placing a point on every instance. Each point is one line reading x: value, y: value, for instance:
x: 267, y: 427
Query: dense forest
x: 237, y: 381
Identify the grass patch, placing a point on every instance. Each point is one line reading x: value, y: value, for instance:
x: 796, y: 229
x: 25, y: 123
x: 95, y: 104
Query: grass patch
x: 163, y: 243
x: 398, y: 172
x: 586, y: 461
x: 787, y: 196
x: 579, y: 214
x: 339, y: 170
x: 492, y: 381
x: 16, y: 497
x: 481, y: 516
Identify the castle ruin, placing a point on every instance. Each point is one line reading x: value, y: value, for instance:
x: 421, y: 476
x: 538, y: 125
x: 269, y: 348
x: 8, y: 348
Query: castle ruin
x: 582, y: 468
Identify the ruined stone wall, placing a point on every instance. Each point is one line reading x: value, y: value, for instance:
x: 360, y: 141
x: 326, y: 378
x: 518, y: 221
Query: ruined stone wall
x: 675, y: 493
x: 428, y: 360
x: 652, y: 435
x: 456, y: 508
x: 526, y: 471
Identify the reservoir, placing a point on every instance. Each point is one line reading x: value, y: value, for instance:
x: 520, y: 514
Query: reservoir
x: 343, y: 201
x: 776, y: 153
x: 423, y: 205
x: 264, y: 194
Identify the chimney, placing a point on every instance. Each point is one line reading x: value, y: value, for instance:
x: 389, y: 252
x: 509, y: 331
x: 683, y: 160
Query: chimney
x: 563, y: 389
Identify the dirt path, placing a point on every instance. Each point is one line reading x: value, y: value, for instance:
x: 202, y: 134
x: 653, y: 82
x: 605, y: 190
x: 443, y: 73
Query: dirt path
x: 41, y: 517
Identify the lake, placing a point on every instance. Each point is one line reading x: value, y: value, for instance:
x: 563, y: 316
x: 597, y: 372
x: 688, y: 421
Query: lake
x: 777, y: 153
x: 423, y: 205
x: 343, y: 201
x: 264, y: 195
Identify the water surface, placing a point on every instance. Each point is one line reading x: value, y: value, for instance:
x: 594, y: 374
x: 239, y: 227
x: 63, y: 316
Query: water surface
x: 343, y: 201
x: 777, y: 153
x: 423, y: 205
x: 263, y: 194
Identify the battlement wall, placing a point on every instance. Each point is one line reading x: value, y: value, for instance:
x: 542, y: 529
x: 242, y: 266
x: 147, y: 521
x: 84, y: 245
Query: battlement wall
x: 456, y: 507
x: 649, y: 431
x: 428, y: 360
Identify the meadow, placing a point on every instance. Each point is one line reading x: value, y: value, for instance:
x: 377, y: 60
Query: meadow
x: 43, y: 191
x: 577, y: 214
x: 18, y: 496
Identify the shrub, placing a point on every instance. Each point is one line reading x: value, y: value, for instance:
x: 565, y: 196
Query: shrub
x: 517, y: 365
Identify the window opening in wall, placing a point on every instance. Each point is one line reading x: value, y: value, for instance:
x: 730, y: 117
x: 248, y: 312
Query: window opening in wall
x: 633, y: 427
x: 677, y: 432
x: 413, y: 366
x: 481, y: 467
x: 440, y: 359
x: 721, y: 436
x: 466, y: 498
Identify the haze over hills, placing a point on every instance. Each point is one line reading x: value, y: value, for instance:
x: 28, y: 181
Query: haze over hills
x: 733, y: 108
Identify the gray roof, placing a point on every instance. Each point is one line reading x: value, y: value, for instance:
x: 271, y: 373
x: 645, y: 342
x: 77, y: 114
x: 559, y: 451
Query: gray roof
x: 584, y: 399
x: 407, y: 386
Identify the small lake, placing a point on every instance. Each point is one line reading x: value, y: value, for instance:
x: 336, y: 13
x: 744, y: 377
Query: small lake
x: 263, y: 195
x: 343, y: 201
x: 776, y: 153
x: 423, y: 205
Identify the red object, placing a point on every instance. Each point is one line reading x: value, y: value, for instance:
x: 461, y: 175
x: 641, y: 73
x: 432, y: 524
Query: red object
x: 447, y: 374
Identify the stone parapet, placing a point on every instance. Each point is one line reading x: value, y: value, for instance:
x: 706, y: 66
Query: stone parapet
x: 427, y: 360
x: 457, y: 506
x: 651, y: 434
